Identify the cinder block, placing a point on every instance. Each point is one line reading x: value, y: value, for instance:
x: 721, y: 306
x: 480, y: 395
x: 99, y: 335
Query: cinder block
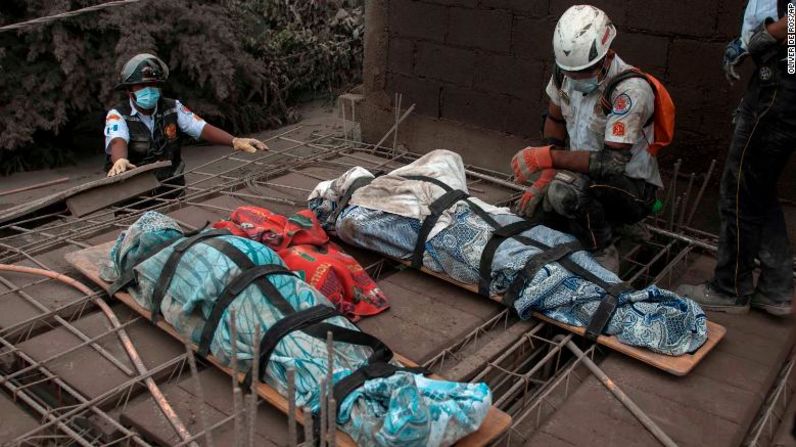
x: 480, y: 109
x: 509, y: 75
x: 532, y: 38
x: 444, y: 63
x: 696, y: 19
x: 479, y: 28
x: 696, y: 63
x: 461, y: 3
x: 537, y: 8
x: 411, y: 18
x: 729, y: 18
x: 644, y: 51
x: 616, y: 9
x: 524, y: 118
x: 424, y: 94
x: 400, y: 56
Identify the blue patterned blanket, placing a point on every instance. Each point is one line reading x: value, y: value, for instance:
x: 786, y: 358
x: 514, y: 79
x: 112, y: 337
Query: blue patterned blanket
x: 402, y: 409
x: 652, y: 318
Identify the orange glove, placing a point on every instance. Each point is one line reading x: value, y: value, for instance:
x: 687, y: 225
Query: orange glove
x: 529, y: 161
x: 533, y: 196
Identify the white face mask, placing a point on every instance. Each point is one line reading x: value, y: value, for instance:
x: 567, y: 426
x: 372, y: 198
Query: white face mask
x: 587, y: 85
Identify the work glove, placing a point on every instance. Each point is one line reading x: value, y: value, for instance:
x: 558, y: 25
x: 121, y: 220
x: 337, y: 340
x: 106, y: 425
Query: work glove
x: 734, y: 54
x: 121, y: 165
x: 529, y: 161
x: 762, y: 45
x: 608, y: 162
x: 533, y: 196
x: 249, y: 145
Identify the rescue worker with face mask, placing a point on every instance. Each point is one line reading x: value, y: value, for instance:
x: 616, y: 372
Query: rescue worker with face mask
x: 605, y: 177
x: 146, y: 127
x: 752, y: 221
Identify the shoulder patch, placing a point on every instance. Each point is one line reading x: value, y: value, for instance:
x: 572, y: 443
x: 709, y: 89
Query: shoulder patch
x: 112, y: 117
x: 622, y: 104
x: 618, y: 129
x: 185, y: 109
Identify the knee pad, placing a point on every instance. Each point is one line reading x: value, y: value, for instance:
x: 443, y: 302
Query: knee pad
x: 566, y: 194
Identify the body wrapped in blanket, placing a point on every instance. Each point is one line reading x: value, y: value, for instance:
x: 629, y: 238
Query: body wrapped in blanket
x: 404, y: 408
x: 387, y: 214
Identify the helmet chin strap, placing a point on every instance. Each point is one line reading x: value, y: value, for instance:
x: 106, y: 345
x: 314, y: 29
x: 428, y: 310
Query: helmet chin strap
x: 607, y: 60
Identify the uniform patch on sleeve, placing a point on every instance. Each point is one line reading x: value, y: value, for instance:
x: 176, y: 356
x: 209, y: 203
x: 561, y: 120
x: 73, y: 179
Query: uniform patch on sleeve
x: 112, y: 117
x: 622, y: 104
x: 619, y: 129
x: 185, y: 110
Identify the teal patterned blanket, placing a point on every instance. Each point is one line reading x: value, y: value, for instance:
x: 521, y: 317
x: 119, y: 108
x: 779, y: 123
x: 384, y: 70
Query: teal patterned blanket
x: 402, y: 409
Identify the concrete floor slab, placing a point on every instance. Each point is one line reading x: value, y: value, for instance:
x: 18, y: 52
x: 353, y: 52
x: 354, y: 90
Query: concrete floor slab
x: 14, y: 420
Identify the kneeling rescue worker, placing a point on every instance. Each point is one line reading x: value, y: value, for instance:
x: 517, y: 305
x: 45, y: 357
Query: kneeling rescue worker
x: 615, y: 118
x: 147, y: 127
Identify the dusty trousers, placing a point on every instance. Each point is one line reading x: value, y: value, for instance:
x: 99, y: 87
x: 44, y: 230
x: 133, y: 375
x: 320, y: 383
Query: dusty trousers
x: 590, y: 208
x: 752, y: 222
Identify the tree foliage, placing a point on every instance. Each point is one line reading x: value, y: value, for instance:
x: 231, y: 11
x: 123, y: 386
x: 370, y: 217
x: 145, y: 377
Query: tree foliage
x: 240, y: 64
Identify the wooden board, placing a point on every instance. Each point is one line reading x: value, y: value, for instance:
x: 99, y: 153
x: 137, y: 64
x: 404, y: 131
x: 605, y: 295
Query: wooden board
x: 87, y: 262
x: 99, y: 197
x: 677, y: 365
x: 57, y: 200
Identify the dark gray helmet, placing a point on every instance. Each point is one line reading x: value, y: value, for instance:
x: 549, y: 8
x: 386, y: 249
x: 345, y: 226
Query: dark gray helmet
x: 143, y: 68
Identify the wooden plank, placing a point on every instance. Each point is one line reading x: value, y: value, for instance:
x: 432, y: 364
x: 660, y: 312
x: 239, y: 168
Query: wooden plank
x: 95, y: 199
x: 87, y: 262
x: 676, y: 365
x: 57, y: 200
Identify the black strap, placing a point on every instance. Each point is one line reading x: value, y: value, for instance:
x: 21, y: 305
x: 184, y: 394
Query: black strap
x: 437, y: 208
x: 289, y: 323
x: 425, y: 178
x: 228, y: 295
x: 533, y: 265
x: 488, y: 255
x: 128, y: 278
x: 343, y: 203
x: 245, y: 264
x: 601, y: 317
x: 170, y: 267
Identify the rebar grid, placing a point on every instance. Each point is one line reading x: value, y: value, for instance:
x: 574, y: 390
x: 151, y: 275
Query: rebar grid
x: 523, y: 377
x: 774, y: 409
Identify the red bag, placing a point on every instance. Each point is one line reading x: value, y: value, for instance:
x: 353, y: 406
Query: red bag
x: 305, y: 247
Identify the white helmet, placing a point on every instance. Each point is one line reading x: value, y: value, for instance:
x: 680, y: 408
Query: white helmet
x: 582, y: 37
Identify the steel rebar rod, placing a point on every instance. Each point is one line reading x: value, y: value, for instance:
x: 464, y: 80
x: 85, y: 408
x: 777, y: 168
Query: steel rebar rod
x: 642, y: 417
x: 200, y: 395
x: 702, y: 188
x: 157, y: 395
x: 69, y: 327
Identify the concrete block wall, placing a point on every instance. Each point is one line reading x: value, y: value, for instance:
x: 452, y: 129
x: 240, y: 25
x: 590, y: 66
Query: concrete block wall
x: 483, y: 64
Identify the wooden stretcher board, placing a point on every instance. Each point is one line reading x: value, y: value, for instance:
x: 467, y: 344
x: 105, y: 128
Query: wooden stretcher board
x: 87, y: 262
x: 676, y: 365
x: 102, y: 188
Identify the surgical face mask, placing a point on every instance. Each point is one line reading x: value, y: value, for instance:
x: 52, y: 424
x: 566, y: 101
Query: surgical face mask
x: 586, y: 86
x: 147, y: 97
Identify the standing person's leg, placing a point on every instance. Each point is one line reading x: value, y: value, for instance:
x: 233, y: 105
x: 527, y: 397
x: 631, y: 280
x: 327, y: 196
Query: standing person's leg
x: 764, y: 137
x: 731, y: 285
x: 774, y: 290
